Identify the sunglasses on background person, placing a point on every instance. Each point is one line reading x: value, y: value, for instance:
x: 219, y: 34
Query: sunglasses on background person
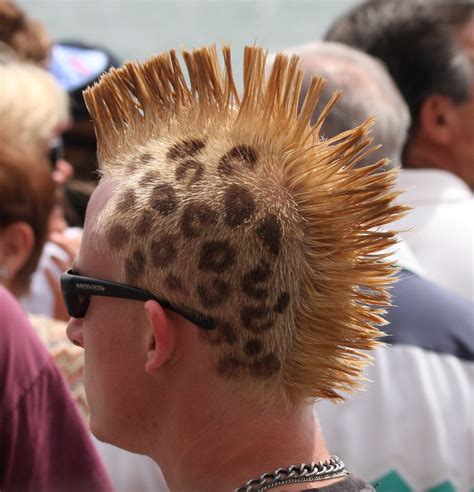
x: 77, y: 291
x: 56, y: 151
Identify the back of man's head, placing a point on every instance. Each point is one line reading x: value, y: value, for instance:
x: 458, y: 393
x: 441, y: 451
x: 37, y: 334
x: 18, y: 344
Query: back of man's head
x: 367, y: 90
x: 417, y: 41
x: 233, y: 208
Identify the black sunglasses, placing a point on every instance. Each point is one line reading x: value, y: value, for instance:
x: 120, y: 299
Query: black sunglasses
x: 77, y: 291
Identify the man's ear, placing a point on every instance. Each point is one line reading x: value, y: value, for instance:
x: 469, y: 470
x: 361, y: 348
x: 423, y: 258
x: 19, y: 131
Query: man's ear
x: 17, y: 243
x: 438, y: 118
x: 161, y: 338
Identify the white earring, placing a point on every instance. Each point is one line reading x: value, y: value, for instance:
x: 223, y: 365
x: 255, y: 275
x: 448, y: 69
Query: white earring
x: 3, y: 272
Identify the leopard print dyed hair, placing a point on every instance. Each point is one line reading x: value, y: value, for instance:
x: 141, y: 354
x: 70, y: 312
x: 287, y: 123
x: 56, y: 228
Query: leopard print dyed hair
x: 232, y: 206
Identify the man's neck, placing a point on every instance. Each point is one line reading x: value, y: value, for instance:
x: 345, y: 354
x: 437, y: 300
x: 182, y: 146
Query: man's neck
x: 424, y: 155
x: 236, y: 446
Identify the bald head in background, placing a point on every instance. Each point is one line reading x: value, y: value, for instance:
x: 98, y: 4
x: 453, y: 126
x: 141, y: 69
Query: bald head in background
x: 367, y: 90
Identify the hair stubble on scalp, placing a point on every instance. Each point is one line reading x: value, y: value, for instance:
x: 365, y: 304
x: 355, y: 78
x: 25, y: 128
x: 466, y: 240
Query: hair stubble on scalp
x: 275, y: 237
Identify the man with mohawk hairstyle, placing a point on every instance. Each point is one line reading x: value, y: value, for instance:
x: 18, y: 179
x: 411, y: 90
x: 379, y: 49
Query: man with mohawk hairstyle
x: 232, y: 271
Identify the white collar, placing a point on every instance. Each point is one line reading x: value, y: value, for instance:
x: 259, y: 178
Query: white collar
x: 425, y: 186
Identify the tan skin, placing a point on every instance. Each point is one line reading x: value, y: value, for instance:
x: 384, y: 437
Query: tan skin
x: 152, y: 390
x: 16, y: 245
x: 444, y: 138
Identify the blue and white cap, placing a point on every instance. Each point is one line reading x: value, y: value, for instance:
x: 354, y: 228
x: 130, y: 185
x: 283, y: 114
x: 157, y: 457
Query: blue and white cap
x: 75, y: 67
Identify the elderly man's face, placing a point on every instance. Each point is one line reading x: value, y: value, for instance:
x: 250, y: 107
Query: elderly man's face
x: 465, y: 140
x: 113, y: 334
x: 465, y: 136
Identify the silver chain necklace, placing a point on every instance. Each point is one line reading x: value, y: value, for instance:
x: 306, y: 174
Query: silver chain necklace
x: 313, y: 472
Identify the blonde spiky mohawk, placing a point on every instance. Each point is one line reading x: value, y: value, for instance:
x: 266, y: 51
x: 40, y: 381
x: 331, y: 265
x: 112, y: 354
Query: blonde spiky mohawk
x: 234, y: 208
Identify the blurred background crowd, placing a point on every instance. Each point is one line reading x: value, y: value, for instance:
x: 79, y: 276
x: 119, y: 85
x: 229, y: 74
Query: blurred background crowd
x: 408, y: 63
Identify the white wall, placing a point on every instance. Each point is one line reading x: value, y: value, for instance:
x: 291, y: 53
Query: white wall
x: 137, y: 29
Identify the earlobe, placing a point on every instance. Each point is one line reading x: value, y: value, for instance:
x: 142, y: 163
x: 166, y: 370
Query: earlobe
x: 437, y: 117
x: 16, y: 247
x: 161, y: 338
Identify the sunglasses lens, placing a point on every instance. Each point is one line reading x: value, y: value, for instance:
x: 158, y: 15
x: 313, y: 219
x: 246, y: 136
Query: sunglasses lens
x: 77, y: 304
